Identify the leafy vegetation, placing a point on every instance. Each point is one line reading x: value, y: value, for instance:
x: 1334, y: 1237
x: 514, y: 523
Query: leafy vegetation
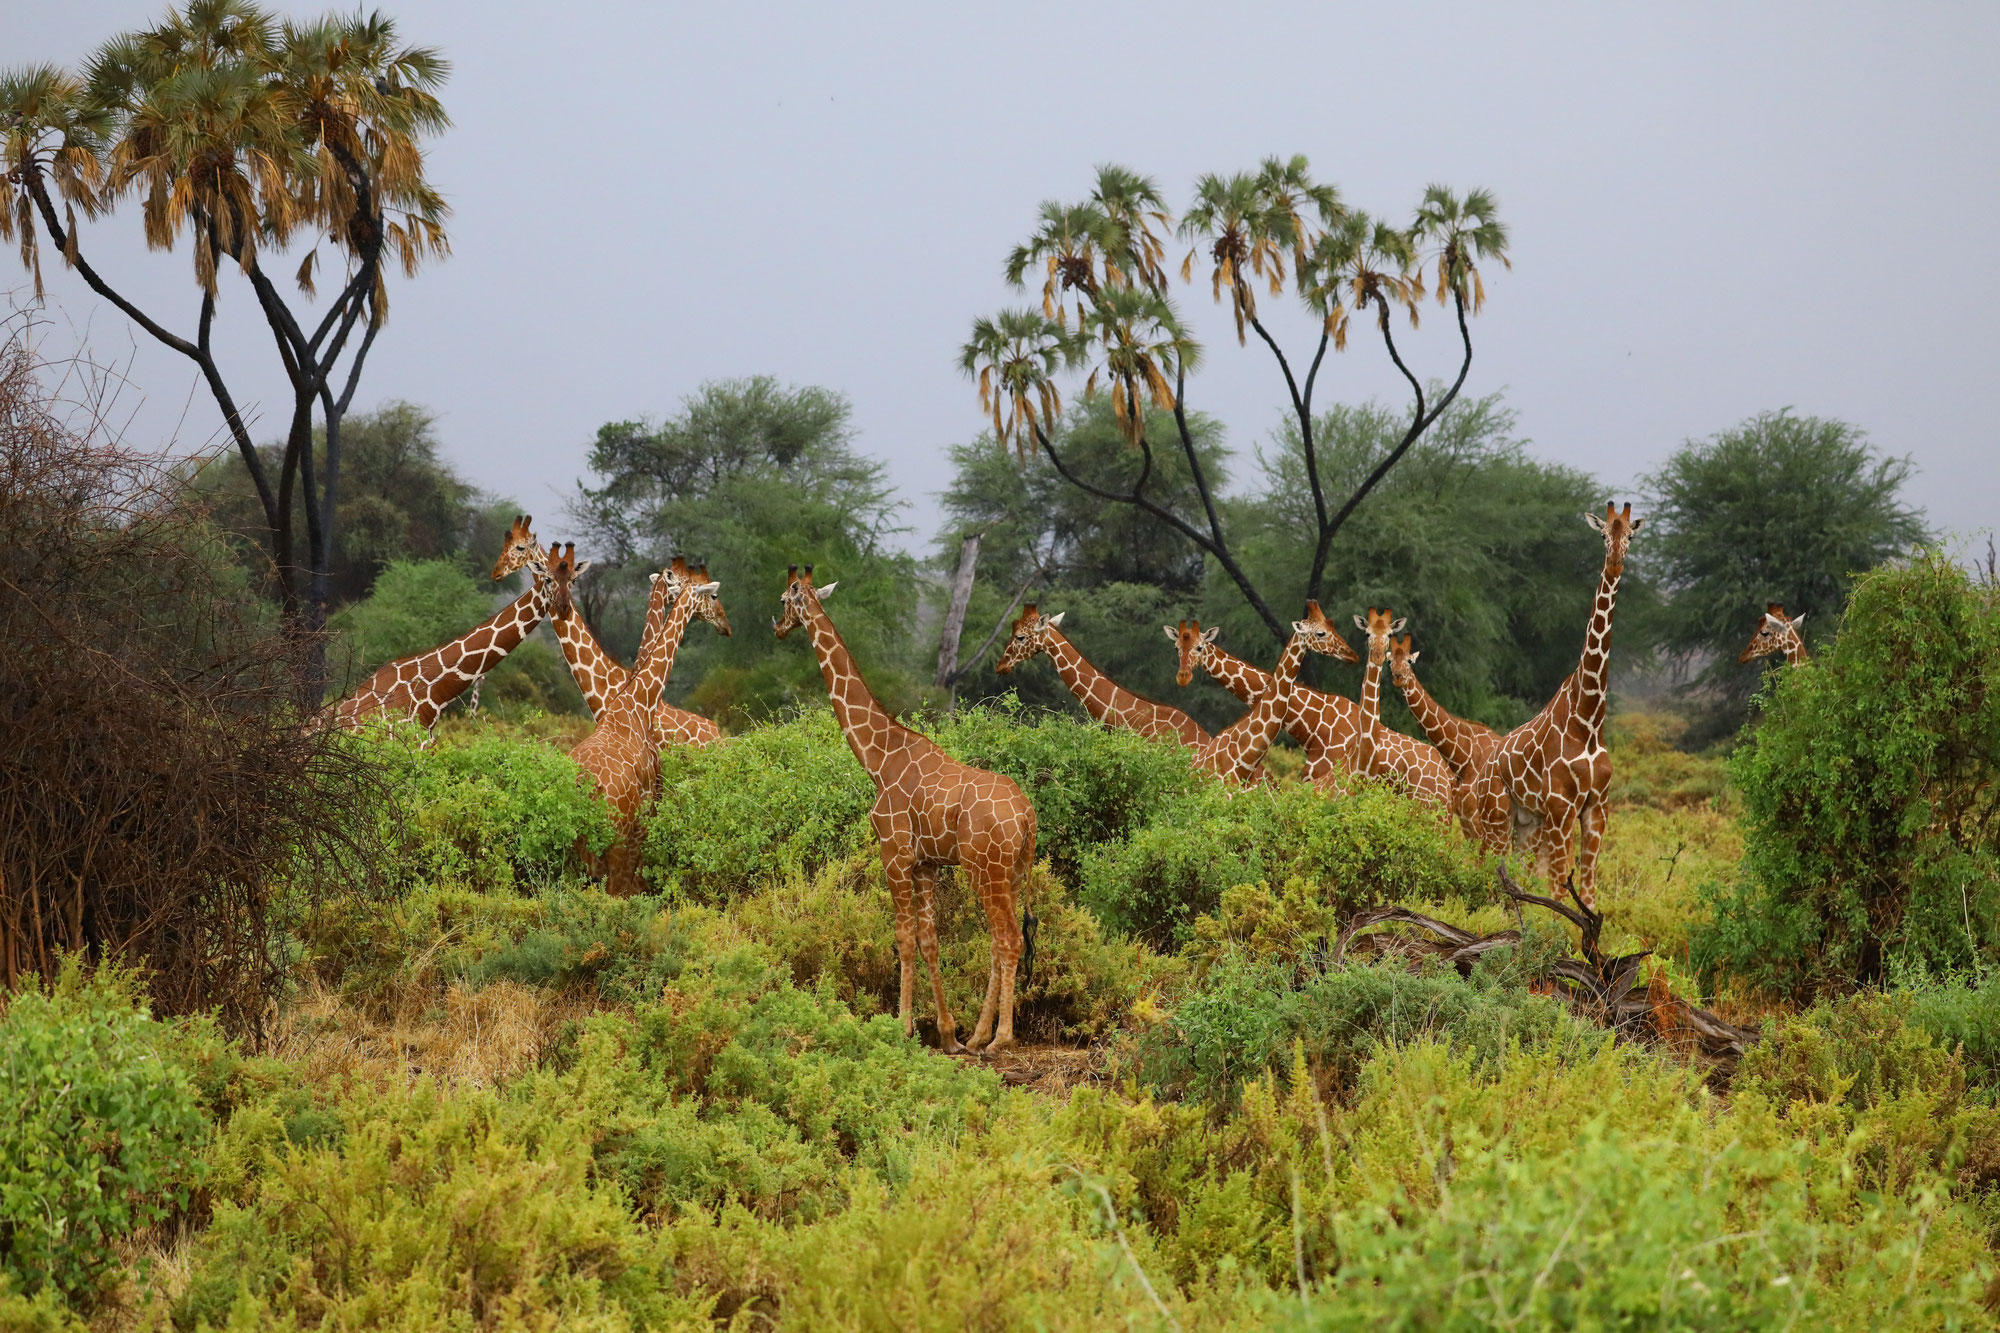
x: 1869, y: 791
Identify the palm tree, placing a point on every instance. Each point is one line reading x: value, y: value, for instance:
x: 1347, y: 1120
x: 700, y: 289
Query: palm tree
x: 53, y: 132
x: 1289, y: 188
x: 1462, y: 232
x: 1142, y: 351
x: 1070, y: 242
x: 1358, y: 262
x: 1014, y: 357
x: 1247, y: 233
x: 1134, y: 205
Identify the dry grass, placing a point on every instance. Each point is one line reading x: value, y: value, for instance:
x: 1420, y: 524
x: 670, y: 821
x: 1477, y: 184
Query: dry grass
x: 475, y: 1038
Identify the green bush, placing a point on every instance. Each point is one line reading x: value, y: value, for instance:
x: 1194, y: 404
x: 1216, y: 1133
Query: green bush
x: 789, y: 797
x: 101, y: 1131
x: 1967, y: 1017
x: 1090, y: 784
x: 486, y: 809
x: 1872, y: 797
x: 1250, y: 1019
x: 1362, y: 847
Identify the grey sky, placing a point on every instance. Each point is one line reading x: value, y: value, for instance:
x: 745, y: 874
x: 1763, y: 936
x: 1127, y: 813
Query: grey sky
x: 1714, y: 211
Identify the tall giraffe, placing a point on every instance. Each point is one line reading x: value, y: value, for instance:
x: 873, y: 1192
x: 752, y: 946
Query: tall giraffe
x: 1466, y: 745
x: 1102, y: 697
x: 417, y: 688
x: 598, y: 674
x: 1384, y: 752
x: 622, y: 754
x: 1552, y: 771
x: 1326, y: 725
x: 1775, y: 634
x: 1236, y: 753
x: 930, y: 810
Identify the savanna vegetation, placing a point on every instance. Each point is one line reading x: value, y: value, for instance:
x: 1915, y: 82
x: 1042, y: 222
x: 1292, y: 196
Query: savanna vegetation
x: 308, y: 1029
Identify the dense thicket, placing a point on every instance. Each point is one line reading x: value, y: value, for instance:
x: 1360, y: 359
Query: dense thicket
x: 154, y: 782
x: 1871, y: 796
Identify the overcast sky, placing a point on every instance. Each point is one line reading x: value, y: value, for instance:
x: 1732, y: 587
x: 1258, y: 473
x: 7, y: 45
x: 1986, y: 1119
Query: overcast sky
x: 1715, y: 210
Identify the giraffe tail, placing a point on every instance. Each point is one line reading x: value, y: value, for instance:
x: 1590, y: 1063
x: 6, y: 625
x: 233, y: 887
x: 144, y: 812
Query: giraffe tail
x: 1029, y: 922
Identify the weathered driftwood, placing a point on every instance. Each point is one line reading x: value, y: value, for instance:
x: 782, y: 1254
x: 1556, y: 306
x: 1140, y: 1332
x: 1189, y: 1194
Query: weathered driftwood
x: 1604, y: 990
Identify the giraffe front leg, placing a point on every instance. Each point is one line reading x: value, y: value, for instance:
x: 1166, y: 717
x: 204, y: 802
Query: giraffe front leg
x: 1591, y: 834
x: 999, y: 886
x: 896, y: 869
x: 924, y: 879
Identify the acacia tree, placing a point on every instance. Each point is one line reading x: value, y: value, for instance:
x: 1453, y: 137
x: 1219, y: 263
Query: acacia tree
x: 245, y: 137
x: 1107, y: 313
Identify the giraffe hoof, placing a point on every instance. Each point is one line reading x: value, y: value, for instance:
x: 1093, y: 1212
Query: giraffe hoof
x: 997, y: 1045
x: 950, y: 1045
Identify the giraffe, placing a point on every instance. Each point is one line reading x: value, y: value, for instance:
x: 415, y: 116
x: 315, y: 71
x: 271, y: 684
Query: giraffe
x: 417, y: 688
x: 930, y: 810
x: 1775, y: 634
x: 622, y: 754
x: 1236, y: 753
x: 1383, y: 752
x: 1552, y: 770
x: 1101, y: 696
x: 1466, y: 745
x: 1326, y: 725
x: 598, y: 674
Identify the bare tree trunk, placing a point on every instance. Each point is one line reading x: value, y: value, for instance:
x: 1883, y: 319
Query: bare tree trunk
x: 954, y: 616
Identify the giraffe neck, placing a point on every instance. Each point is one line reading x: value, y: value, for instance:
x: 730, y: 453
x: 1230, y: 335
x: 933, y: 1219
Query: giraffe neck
x: 1593, y: 669
x: 1245, y: 744
x: 1102, y: 697
x: 1795, y: 649
x: 446, y: 671
x: 865, y: 723
x: 1238, y: 676
x: 597, y: 673
x: 1371, y: 680
x: 656, y: 656
x: 1450, y: 734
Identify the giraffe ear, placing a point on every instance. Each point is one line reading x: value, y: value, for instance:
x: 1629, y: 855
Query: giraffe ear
x: 1798, y: 620
x: 1414, y: 656
x: 1302, y: 626
x: 704, y: 589
x: 1173, y: 635
x: 1594, y: 521
x: 581, y: 570
x: 827, y: 591
x: 1360, y: 624
x: 1055, y: 621
x: 1397, y: 628
x: 1208, y: 635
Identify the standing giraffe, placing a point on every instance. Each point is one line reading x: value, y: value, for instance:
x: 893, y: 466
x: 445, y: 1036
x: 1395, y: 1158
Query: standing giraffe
x: 930, y: 810
x: 1101, y: 696
x: 1466, y: 745
x: 1326, y: 725
x: 1552, y: 771
x: 1236, y: 753
x: 1775, y: 634
x: 417, y: 688
x: 1384, y: 752
x: 597, y: 673
x: 622, y: 755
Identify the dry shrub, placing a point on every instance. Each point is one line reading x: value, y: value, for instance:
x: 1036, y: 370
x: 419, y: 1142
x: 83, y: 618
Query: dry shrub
x: 160, y: 800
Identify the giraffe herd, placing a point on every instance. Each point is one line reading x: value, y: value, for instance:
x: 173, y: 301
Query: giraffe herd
x: 1541, y: 786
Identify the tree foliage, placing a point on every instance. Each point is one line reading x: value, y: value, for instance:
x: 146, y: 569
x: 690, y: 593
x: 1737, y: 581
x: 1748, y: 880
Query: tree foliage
x: 1872, y: 796
x: 1779, y: 508
x: 750, y: 476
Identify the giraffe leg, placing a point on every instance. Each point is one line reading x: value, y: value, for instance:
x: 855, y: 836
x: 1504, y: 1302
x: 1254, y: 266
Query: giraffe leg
x: 924, y: 880
x: 1000, y: 879
x: 896, y: 869
x: 1591, y: 824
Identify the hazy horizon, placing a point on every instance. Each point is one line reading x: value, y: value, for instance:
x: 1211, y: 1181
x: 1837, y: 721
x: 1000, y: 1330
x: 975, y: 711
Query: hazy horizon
x: 1713, y: 213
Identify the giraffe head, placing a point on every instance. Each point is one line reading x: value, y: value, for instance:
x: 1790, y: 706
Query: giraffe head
x: 708, y: 602
x: 1400, y: 657
x: 1321, y: 637
x: 520, y: 550
x: 795, y: 608
x: 1775, y: 634
x: 1378, y: 627
x: 1617, y: 529
x: 563, y: 570
x: 1031, y: 636
x: 1195, y: 644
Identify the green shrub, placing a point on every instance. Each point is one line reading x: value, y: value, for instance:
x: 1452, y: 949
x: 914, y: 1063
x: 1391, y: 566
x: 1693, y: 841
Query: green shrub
x: 1249, y: 1018
x: 486, y: 809
x: 101, y: 1131
x: 1090, y: 784
x: 1870, y: 790
x: 1362, y: 847
x: 789, y: 797
x: 1967, y: 1017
